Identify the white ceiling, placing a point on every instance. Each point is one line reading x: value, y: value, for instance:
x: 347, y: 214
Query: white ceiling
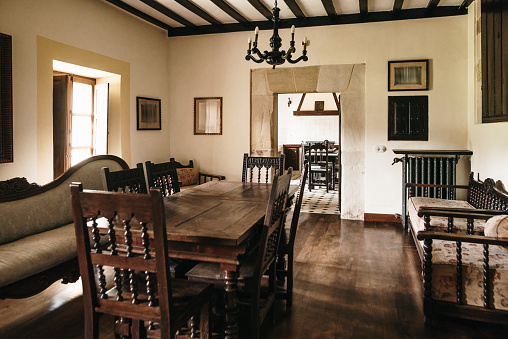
x: 345, y: 10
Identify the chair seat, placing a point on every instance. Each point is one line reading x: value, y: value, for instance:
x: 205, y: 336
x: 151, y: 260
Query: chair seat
x: 184, y: 292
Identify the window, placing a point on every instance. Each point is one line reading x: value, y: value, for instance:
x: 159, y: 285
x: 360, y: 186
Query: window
x: 79, y: 120
x: 494, y: 39
x: 408, y: 118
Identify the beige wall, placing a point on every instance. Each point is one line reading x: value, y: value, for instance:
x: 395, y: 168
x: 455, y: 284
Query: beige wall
x: 104, y: 31
x: 178, y: 69
x: 487, y: 141
x: 214, y: 65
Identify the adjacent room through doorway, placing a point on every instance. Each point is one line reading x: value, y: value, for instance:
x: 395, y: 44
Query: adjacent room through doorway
x: 304, y: 119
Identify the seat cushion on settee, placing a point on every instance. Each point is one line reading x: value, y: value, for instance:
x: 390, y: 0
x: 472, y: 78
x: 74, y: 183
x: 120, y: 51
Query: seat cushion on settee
x: 418, y: 223
x: 36, y: 253
x: 50, y: 209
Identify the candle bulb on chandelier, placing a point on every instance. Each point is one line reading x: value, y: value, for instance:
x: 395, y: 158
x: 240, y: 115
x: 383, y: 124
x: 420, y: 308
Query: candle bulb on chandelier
x: 304, y: 43
x: 256, y: 32
x: 293, y: 33
x: 250, y: 41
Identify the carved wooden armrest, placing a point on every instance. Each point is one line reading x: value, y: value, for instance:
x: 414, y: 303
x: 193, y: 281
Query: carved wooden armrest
x: 207, y: 176
x: 456, y: 212
x: 456, y: 237
x: 470, y: 214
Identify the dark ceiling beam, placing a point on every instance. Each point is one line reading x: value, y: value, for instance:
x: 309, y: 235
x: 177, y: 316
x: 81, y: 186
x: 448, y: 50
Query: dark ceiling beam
x: 397, y: 5
x: 198, y: 11
x: 261, y: 9
x: 466, y: 3
x: 433, y: 4
x: 170, y: 14
x: 364, y: 7
x: 139, y: 14
x: 330, y: 10
x: 293, y: 6
x: 405, y: 14
x: 230, y: 11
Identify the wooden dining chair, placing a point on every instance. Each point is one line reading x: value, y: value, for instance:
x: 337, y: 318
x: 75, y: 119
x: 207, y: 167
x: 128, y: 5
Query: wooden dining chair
x: 321, y: 169
x: 162, y: 175
x: 127, y: 181
x: 257, y: 263
x: 287, y: 244
x: 145, y: 300
x: 271, y: 166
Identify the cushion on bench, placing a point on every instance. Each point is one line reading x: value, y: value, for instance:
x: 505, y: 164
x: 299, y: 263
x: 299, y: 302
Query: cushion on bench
x: 418, y: 224
x: 188, y: 176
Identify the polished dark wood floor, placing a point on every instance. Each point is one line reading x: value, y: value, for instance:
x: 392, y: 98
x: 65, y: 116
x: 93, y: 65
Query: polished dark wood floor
x: 353, y: 280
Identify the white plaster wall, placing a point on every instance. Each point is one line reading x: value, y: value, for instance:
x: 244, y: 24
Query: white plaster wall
x: 214, y: 65
x: 92, y: 25
x: 295, y: 129
x: 488, y: 141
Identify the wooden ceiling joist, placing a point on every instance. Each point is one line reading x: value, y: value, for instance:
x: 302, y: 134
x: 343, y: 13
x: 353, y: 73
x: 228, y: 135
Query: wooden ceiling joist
x: 329, y: 8
x: 139, y: 14
x: 397, y: 5
x: 364, y: 7
x: 293, y: 6
x: 261, y: 9
x: 433, y: 4
x: 466, y: 3
x: 230, y: 11
x: 170, y: 14
x: 198, y: 11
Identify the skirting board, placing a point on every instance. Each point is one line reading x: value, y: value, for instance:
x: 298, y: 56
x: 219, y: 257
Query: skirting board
x: 381, y: 218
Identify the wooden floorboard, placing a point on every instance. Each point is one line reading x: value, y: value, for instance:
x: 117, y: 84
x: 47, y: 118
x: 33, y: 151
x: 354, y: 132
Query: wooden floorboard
x: 353, y: 279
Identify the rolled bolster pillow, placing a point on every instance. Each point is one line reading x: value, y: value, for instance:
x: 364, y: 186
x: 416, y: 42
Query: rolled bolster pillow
x: 497, y: 226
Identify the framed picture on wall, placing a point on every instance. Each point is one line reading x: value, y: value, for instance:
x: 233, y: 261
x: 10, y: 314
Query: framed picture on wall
x: 409, y: 75
x: 208, y: 116
x: 6, y: 140
x: 148, y: 113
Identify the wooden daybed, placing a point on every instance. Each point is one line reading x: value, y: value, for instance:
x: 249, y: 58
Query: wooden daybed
x: 465, y: 273
x: 37, y: 238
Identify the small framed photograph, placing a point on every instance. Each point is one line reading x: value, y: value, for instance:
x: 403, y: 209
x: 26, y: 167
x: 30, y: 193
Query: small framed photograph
x: 319, y: 106
x: 208, y: 116
x: 148, y: 113
x: 408, y: 75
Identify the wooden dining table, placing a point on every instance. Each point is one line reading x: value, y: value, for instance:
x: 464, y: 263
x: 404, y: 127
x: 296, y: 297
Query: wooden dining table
x: 216, y: 222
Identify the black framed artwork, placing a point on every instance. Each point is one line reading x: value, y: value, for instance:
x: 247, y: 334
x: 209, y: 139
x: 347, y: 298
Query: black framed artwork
x: 148, y: 113
x: 6, y: 141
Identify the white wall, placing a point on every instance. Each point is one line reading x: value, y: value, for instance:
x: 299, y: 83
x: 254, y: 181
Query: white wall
x: 95, y: 26
x: 214, y: 65
x: 487, y: 141
x: 295, y: 129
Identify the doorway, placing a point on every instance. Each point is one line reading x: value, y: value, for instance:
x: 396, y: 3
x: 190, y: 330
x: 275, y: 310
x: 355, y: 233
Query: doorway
x: 349, y: 81
x: 312, y: 117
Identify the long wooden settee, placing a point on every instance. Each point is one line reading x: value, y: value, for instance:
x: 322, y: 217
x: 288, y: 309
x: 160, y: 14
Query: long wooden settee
x: 465, y: 273
x: 37, y: 238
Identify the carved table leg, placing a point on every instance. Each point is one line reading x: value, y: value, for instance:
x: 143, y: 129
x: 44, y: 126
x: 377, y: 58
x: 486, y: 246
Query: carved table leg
x: 231, y: 304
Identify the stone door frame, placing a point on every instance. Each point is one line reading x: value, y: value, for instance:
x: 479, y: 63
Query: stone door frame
x: 349, y: 81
